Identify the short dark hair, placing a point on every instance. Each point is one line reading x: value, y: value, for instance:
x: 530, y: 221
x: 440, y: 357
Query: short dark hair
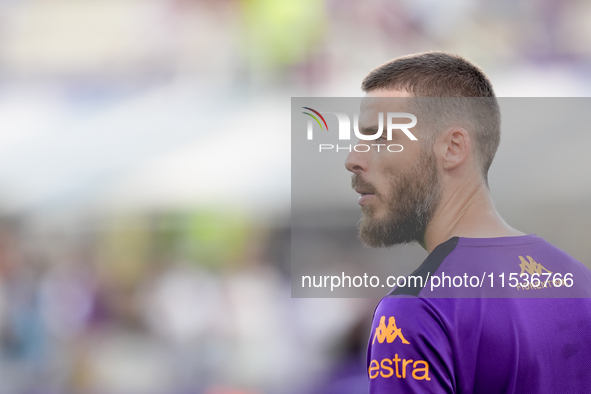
x: 447, y: 76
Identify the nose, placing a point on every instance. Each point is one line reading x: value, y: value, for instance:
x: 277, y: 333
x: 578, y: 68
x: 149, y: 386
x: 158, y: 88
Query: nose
x: 356, y: 162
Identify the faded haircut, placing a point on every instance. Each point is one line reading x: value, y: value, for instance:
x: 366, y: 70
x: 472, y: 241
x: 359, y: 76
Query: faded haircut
x: 463, y: 96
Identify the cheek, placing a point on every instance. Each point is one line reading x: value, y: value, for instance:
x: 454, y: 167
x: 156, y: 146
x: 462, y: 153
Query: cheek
x: 396, y: 159
x: 390, y: 169
x: 386, y: 187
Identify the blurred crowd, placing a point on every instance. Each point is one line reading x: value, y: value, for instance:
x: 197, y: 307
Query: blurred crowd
x: 159, y: 304
x: 307, y: 46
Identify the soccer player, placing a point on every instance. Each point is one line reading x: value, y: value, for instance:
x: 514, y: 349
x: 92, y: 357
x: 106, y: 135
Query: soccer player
x: 468, y: 333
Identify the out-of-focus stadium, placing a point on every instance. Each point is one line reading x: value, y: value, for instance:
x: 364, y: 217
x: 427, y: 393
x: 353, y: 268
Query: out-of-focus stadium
x: 145, y: 179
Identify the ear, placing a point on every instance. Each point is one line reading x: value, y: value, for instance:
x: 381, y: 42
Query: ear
x: 454, y: 147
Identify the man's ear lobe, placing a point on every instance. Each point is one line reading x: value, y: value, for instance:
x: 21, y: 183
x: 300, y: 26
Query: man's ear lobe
x: 456, y: 145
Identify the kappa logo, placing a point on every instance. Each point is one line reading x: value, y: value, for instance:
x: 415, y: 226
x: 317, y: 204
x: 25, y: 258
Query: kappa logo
x: 389, y: 332
x: 531, y: 267
x: 399, y: 367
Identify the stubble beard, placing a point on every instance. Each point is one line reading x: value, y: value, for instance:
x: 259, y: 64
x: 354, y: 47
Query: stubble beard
x: 413, y: 199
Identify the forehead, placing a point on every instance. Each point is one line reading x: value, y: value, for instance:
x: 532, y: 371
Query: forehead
x: 383, y: 100
x: 388, y: 93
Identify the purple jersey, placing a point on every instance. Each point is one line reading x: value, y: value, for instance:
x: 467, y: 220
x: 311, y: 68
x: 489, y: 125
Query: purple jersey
x: 493, y: 334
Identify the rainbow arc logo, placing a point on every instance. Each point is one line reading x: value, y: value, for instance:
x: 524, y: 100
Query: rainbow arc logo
x: 315, y: 118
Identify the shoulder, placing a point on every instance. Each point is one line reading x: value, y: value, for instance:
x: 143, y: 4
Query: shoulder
x: 409, y: 348
x: 481, y: 267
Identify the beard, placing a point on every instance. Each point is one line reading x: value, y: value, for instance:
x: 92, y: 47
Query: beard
x: 412, y: 201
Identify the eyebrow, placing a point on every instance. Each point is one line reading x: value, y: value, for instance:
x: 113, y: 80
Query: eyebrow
x: 369, y: 130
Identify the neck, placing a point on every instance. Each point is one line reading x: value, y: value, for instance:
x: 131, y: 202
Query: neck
x: 466, y: 212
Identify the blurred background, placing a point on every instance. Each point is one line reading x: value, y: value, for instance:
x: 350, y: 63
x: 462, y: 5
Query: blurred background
x: 145, y: 179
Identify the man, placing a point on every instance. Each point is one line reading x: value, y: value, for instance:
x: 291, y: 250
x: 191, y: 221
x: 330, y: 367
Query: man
x: 525, y: 336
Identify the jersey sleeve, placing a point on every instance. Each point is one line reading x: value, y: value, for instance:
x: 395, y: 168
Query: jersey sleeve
x: 409, y: 350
